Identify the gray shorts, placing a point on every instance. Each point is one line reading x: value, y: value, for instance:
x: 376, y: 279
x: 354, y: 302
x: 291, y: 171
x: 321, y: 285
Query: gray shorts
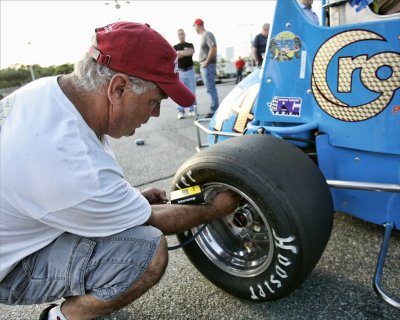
x: 73, y: 266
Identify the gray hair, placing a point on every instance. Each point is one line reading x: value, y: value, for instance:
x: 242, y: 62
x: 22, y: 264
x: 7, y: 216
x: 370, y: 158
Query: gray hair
x: 90, y: 76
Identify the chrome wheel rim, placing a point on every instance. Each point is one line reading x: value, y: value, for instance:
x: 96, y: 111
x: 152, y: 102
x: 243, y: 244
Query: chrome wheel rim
x: 241, y: 243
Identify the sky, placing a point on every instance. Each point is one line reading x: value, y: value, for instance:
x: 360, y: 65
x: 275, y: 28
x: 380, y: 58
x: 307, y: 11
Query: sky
x: 57, y: 32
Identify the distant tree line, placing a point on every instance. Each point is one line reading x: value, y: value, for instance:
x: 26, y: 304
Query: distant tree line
x: 19, y: 74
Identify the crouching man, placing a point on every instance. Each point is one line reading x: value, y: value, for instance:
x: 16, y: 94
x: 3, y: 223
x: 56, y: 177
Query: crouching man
x: 71, y: 226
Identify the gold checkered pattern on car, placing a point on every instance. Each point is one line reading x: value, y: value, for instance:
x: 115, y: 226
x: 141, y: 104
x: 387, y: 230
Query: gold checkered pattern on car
x: 386, y: 87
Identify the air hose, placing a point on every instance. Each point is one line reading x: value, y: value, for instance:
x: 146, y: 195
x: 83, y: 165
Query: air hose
x: 187, y: 241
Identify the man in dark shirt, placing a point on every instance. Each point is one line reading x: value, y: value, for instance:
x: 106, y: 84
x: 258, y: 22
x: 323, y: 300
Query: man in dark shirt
x: 259, y: 43
x: 187, y: 75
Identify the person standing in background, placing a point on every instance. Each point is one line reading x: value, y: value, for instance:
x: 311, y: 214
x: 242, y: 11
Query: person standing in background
x: 239, y: 64
x: 259, y: 44
x: 306, y: 5
x: 208, y: 63
x: 185, y: 52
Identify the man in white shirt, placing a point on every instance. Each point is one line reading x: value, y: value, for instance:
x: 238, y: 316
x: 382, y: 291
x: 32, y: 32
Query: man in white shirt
x: 71, y: 226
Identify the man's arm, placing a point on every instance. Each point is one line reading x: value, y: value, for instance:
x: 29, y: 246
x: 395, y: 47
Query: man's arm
x: 255, y: 57
x: 210, y: 57
x: 172, y: 219
x: 254, y: 49
x: 185, y: 53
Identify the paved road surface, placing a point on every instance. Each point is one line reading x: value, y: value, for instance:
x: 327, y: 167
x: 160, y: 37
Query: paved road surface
x: 340, y: 287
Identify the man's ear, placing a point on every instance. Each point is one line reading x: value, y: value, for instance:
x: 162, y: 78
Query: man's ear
x: 118, y: 84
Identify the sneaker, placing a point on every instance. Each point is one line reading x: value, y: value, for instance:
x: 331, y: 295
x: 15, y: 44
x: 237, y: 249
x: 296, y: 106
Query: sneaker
x: 191, y: 114
x: 45, y: 313
x: 180, y: 115
x: 209, y: 115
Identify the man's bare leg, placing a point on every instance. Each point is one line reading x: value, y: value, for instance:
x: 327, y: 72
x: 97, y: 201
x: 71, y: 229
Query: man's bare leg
x: 87, y: 307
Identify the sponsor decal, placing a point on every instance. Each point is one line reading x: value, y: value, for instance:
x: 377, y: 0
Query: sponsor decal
x: 285, y: 46
x: 368, y: 66
x: 303, y: 62
x: 285, y: 106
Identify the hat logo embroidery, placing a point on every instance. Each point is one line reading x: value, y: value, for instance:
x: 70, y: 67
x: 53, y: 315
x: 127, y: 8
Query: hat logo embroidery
x: 108, y: 28
x: 176, y: 65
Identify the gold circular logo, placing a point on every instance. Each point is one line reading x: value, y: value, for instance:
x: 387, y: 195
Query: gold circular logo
x: 346, y: 65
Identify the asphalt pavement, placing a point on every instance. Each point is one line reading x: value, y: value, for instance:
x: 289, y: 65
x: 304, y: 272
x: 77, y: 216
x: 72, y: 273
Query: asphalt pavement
x: 340, y: 287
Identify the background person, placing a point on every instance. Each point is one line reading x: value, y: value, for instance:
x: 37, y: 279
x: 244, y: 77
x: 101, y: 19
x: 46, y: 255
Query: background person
x: 208, y: 63
x: 187, y: 75
x: 239, y: 65
x: 306, y: 6
x: 259, y: 44
x: 67, y: 213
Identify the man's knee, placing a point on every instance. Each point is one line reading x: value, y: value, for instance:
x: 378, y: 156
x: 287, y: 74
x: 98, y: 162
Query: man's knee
x: 93, y: 307
x: 159, y: 262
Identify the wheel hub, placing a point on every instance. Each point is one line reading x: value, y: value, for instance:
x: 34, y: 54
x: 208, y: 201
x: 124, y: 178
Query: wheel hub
x: 242, y: 218
x: 241, y: 243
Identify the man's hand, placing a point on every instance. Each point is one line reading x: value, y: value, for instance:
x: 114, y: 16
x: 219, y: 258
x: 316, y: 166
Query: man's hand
x: 176, y: 218
x: 155, y: 196
x: 224, y: 203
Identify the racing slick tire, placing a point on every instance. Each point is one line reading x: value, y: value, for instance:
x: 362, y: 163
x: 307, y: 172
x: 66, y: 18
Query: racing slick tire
x: 270, y: 244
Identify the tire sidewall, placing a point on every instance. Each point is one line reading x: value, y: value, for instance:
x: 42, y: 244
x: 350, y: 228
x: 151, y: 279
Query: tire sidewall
x: 284, y: 271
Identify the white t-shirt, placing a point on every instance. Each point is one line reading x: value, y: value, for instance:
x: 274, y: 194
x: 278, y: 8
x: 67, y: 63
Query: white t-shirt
x: 56, y: 176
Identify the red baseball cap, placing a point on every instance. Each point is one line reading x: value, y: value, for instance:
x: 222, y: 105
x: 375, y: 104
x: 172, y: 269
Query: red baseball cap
x: 198, y: 22
x: 139, y: 51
